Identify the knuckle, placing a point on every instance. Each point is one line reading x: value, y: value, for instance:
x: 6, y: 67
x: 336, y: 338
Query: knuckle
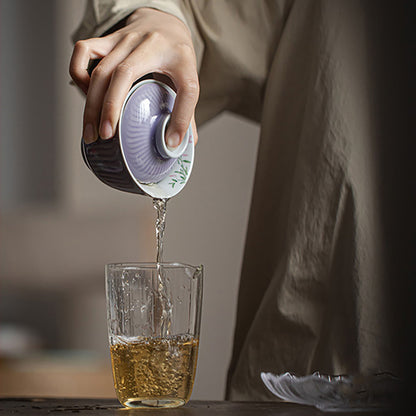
x: 100, y: 71
x: 190, y: 88
x: 81, y: 45
x: 74, y: 67
x: 132, y: 37
x: 74, y: 72
x: 153, y: 37
x: 124, y: 69
x: 109, y: 107
x: 185, y: 52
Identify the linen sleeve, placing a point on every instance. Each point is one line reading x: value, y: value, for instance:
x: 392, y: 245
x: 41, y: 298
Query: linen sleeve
x: 234, y: 42
x: 102, y: 15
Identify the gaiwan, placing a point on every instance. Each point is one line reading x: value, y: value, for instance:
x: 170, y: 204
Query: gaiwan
x: 137, y: 159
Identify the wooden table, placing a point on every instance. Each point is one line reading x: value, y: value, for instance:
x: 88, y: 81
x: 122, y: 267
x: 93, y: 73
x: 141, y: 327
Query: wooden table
x: 107, y: 407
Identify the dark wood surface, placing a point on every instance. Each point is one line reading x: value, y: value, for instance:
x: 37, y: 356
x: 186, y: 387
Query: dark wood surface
x: 106, y: 407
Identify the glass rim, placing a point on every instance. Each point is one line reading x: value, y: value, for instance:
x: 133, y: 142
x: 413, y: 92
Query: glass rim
x: 152, y: 265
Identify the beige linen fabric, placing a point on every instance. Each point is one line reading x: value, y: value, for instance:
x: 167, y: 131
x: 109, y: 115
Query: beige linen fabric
x: 317, y: 290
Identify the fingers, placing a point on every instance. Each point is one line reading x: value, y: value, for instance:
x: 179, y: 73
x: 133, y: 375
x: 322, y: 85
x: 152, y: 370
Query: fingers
x: 123, y: 66
x: 109, y: 84
x: 130, y: 58
x: 183, y: 110
x: 95, y: 86
x: 152, y: 42
x: 134, y: 65
x: 84, y: 51
x: 185, y: 78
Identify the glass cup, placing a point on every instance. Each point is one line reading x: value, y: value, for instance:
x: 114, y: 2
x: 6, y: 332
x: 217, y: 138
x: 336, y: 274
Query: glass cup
x: 154, y: 315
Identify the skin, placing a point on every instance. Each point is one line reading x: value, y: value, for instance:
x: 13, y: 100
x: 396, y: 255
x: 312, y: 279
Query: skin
x: 151, y: 42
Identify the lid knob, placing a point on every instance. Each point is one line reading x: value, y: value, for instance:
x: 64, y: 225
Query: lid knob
x: 160, y: 140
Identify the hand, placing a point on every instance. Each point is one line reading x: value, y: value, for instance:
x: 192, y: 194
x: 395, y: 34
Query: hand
x: 151, y: 42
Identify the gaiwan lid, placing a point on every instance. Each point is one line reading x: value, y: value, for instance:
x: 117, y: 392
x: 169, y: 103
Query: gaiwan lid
x: 160, y: 171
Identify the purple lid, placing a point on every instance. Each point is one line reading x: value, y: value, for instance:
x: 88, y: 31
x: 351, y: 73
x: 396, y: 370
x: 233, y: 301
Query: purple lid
x: 146, y: 106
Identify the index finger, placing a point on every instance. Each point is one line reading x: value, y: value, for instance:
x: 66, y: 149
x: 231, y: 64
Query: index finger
x: 138, y: 63
x: 84, y: 51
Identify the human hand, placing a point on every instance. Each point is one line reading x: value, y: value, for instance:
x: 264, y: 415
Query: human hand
x: 151, y: 42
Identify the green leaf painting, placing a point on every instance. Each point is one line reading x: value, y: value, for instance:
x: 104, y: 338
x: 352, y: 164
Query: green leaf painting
x: 182, y: 173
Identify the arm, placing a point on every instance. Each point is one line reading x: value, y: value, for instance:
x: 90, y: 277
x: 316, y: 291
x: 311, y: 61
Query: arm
x: 233, y: 40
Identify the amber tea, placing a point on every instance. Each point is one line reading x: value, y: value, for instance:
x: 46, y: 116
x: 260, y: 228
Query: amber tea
x: 154, y: 371
x: 153, y: 364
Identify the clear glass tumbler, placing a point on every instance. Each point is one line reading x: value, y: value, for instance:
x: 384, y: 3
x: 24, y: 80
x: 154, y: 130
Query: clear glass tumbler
x: 154, y: 315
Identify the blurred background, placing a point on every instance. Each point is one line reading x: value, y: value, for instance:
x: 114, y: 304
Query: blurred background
x: 59, y: 225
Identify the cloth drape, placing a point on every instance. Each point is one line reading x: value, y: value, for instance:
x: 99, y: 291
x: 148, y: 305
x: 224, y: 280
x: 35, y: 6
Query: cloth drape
x: 325, y: 282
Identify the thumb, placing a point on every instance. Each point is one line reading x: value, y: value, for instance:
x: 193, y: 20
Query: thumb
x: 182, y: 113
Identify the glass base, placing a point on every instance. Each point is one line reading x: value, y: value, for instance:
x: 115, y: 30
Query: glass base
x: 146, y: 403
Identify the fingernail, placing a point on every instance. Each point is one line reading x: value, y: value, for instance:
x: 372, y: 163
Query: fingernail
x: 173, y: 140
x: 106, y: 131
x: 89, y: 134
